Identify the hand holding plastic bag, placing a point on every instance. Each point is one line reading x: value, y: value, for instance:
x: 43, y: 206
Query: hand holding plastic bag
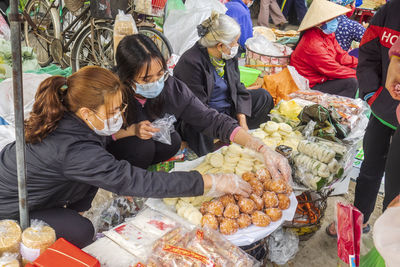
x: 276, y: 164
x: 228, y: 184
x: 166, y: 126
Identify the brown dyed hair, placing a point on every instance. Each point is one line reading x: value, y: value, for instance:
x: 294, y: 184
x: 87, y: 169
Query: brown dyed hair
x: 56, y: 95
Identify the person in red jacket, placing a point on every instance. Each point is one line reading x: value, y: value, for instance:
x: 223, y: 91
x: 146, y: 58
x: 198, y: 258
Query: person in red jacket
x: 319, y: 57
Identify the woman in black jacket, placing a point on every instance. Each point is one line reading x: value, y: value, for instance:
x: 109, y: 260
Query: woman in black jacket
x: 210, y: 70
x: 67, y: 162
x: 152, y: 93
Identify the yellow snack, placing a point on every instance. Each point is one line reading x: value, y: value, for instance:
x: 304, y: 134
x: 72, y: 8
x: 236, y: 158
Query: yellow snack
x: 170, y: 201
x: 10, y: 236
x: 290, y: 109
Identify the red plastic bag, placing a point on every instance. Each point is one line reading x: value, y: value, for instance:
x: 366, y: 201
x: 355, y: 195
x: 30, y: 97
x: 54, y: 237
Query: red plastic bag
x: 349, y: 230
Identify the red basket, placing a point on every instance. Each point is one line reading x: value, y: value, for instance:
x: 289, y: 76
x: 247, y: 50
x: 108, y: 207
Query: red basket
x: 150, y: 7
x: 159, y: 4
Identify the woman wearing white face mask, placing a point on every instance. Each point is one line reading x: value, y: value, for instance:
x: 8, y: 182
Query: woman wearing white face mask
x: 210, y: 70
x: 67, y: 162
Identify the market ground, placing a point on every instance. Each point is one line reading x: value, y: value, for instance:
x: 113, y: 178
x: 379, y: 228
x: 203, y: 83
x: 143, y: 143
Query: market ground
x: 319, y: 250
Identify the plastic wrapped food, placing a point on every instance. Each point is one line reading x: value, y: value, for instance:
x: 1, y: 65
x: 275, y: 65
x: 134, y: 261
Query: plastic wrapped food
x: 228, y: 226
x: 10, y: 236
x: 36, y: 239
x: 166, y: 126
x: 210, y: 220
x: 9, y: 260
x: 124, y: 25
x: 197, y: 248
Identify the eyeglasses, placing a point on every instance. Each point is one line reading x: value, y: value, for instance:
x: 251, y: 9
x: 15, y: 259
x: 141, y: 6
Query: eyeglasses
x: 163, y: 77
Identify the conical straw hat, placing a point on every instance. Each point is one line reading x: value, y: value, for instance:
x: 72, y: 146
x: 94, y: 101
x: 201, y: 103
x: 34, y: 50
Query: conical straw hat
x: 321, y: 11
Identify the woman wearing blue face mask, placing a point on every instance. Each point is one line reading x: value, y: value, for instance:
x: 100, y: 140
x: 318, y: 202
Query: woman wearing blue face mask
x: 152, y: 93
x: 210, y: 70
x: 319, y: 57
x: 66, y: 160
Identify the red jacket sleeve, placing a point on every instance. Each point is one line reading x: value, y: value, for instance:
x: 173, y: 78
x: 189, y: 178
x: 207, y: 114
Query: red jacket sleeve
x: 343, y: 57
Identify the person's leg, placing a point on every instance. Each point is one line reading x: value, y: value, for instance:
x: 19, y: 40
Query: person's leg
x: 276, y: 13
x: 286, y: 8
x: 67, y: 224
x: 164, y: 151
x: 263, y: 16
x: 262, y: 103
x: 392, y: 171
x: 301, y: 9
x: 376, y: 145
x: 85, y: 203
x: 343, y: 87
x: 138, y: 152
x: 198, y: 142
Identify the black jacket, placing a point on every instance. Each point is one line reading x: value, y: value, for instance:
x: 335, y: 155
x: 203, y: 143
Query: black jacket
x: 180, y: 101
x: 72, y: 160
x: 195, y: 69
x: 373, y: 61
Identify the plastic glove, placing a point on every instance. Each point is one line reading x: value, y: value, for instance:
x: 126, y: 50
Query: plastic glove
x: 228, y: 184
x: 277, y: 165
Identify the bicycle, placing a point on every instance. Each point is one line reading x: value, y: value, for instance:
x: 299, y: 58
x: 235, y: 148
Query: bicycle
x: 51, y: 37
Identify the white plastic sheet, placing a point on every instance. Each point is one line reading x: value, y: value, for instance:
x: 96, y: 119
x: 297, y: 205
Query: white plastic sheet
x: 180, y: 27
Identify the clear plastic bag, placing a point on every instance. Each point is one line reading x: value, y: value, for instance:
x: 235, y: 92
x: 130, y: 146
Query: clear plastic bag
x: 166, y: 126
x: 283, y: 246
x: 9, y: 260
x: 10, y: 236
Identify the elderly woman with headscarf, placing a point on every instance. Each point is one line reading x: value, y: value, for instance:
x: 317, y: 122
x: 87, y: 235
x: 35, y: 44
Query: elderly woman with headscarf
x: 319, y: 57
x: 210, y: 70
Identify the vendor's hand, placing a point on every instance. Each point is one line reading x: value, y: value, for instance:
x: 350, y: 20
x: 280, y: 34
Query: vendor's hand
x: 221, y: 184
x: 277, y: 165
x: 393, y: 78
x: 365, y: 24
x: 144, y: 130
x: 242, y: 121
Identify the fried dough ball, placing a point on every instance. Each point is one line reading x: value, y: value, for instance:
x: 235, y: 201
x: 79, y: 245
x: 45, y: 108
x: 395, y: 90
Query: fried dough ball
x: 226, y: 199
x: 228, y: 226
x: 210, y: 221
x: 244, y: 220
x: 237, y: 197
x: 258, y: 201
x: 274, y: 213
x: 267, y: 185
x: 278, y: 186
x: 231, y: 211
x: 270, y: 200
x: 247, y: 176
x: 204, y: 207
x: 220, y: 218
x: 263, y: 174
x: 246, y: 205
x: 215, y: 207
x: 260, y: 219
x: 257, y: 186
x: 284, y: 201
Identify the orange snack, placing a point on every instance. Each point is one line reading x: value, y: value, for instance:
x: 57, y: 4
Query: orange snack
x: 226, y: 199
x: 231, y: 211
x: 247, y: 176
x: 244, y: 220
x: 228, y: 226
x: 215, y: 207
x: 258, y: 201
x: 204, y: 207
x: 246, y: 205
x: 270, y: 200
x: 278, y: 186
x: 257, y: 186
x: 284, y: 201
x: 267, y: 185
x: 210, y: 221
x: 263, y: 175
x: 274, y: 213
x: 260, y: 219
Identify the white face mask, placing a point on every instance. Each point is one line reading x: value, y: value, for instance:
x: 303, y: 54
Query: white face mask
x: 250, y: 4
x: 111, y: 125
x: 234, y: 51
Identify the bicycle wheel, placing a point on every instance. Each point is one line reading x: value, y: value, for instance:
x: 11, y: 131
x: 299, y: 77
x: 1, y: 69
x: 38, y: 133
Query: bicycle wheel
x: 159, y: 39
x: 47, y: 29
x: 98, y: 53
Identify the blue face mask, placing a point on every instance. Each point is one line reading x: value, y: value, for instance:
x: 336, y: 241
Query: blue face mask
x: 150, y: 90
x: 330, y: 26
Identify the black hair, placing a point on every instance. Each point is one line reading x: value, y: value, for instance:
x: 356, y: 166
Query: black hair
x: 134, y: 53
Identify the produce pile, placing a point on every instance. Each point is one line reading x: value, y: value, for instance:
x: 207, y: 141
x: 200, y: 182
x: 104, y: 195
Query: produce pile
x: 199, y: 247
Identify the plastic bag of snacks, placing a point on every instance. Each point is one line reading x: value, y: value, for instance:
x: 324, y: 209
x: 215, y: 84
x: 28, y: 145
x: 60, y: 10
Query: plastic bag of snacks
x: 10, y: 236
x: 35, y: 240
x: 166, y: 126
x: 124, y: 25
x: 349, y: 230
x: 200, y: 247
x: 9, y: 260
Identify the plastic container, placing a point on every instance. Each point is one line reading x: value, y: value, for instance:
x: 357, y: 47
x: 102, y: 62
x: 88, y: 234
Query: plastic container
x: 248, y: 76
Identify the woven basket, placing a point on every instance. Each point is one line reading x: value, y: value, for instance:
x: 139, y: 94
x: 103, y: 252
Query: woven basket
x: 74, y: 5
x: 265, y: 63
x: 305, y: 230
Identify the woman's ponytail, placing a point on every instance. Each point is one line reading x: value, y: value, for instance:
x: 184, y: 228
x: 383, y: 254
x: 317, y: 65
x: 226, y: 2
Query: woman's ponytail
x: 47, y: 110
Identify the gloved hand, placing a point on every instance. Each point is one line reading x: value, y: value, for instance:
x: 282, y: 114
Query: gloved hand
x: 227, y: 184
x: 277, y: 165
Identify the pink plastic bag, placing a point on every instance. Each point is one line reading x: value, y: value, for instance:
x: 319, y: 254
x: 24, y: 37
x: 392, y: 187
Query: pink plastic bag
x: 4, y: 28
x: 349, y: 227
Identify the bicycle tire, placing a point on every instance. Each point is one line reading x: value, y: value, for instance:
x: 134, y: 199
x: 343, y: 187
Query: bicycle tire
x: 41, y: 47
x: 79, y: 48
x: 162, y: 42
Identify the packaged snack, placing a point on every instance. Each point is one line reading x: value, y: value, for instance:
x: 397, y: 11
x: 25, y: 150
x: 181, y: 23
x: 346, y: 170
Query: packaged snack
x: 35, y: 240
x: 124, y: 25
x: 9, y: 260
x: 10, y: 236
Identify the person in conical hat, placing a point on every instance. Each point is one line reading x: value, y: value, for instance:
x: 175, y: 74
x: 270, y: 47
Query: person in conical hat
x: 319, y: 57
